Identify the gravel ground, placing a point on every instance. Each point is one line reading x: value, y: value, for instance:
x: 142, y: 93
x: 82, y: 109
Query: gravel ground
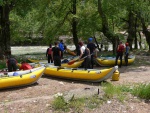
x: 36, y: 98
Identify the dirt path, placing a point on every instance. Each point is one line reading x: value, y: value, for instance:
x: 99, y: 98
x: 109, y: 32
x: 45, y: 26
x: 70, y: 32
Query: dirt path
x: 36, y: 98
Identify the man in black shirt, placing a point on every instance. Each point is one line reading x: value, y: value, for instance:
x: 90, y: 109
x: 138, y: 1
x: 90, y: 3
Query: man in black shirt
x: 56, y: 55
x: 91, y: 47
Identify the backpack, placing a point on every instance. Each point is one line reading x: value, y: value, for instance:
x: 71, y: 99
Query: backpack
x: 121, y: 48
x: 50, y: 51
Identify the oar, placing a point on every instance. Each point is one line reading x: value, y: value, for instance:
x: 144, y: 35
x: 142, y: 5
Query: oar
x: 71, y: 62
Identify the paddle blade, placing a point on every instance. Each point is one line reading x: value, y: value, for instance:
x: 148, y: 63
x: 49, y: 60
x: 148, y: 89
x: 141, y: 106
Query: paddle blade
x: 70, y: 63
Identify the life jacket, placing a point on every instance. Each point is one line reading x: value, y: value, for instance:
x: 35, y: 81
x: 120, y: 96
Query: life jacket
x: 120, y: 48
x: 25, y: 66
x: 50, y: 51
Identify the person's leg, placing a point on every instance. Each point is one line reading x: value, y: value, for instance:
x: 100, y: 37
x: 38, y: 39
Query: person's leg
x: 49, y: 56
x: 89, y: 63
x: 92, y: 61
x: 121, y: 54
x: 126, y: 59
x: 9, y: 68
x: 116, y: 63
x: 14, y: 66
x: 85, y: 63
x: 57, y: 61
x: 51, y: 59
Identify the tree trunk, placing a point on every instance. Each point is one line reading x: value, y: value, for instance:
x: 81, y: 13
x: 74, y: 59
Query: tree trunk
x: 145, y: 31
x: 135, y: 40
x: 140, y: 40
x: 105, y: 29
x: 74, y: 25
x: 97, y: 44
x: 131, y: 30
x: 5, y: 30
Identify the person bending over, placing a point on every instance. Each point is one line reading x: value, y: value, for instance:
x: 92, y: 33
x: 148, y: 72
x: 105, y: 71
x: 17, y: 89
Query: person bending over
x: 11, y: 63
x: 25, y: 66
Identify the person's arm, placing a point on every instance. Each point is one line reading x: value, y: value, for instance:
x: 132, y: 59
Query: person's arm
x: 117, y: 48
x: 60, y: 46
x: 60, y: 53
x: 52, y: 55
x: 88, y: 51
x: 47, y: 52
x: 81, y: 53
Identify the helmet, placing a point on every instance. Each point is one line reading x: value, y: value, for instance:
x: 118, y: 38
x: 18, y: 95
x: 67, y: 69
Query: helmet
x: 90, y: 39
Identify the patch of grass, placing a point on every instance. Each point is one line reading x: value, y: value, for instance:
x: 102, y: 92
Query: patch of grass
x: 94, y: 102
x: 125, y: 88
x: 142, y: 91
x: 60, y: 104
x: 112, y: 91
x: 109, y: 90
x: 77, y: 105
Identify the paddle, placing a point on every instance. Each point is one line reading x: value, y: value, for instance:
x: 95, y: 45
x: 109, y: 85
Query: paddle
x: 71, y: 62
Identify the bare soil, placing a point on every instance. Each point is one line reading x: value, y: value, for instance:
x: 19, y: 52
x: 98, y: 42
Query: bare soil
x: 36, y: 98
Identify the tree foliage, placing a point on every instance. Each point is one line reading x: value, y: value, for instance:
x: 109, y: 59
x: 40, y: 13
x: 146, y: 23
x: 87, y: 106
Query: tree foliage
x: 47, y: 20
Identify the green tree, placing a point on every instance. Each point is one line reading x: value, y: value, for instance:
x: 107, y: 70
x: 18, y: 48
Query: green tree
x: 6, y: 6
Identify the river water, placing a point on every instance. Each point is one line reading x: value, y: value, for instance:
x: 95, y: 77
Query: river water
x: 19, y: 50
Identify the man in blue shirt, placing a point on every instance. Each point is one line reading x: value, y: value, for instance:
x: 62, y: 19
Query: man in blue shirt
x: 61, y: 46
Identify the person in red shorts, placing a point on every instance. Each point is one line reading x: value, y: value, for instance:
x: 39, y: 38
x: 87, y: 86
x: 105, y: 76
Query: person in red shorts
x: 25, y: 66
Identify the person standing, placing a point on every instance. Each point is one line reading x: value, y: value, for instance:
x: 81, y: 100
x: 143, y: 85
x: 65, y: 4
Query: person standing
x: 85, y: 52
x: 87, y: 60
x: 127, y: 48
x: 61, y: 46
x: 48, y: 54
x: 11, y: 63
x: 82, y: 49
x: 120, y: 50
x: 92, y: 48
x: 56, y: 55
